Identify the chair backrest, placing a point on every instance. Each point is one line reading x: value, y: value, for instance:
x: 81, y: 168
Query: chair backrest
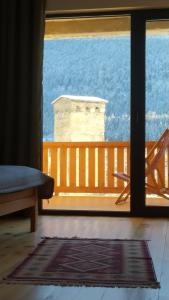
x: 157, y: 151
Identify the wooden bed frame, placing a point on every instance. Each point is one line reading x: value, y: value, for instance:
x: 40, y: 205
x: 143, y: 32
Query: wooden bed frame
x: 12, y: 202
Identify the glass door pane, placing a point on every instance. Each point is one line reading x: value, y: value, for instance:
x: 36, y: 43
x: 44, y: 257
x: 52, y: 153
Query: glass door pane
x: 87, y: 127
x: 157, y: 112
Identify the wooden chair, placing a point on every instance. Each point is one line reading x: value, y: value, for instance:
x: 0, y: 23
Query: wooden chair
x: 152, y: 161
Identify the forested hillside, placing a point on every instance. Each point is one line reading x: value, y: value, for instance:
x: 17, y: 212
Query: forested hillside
x: 101, y: 67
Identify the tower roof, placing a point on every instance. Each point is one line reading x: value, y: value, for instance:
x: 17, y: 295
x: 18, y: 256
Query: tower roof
x: 80, y: 99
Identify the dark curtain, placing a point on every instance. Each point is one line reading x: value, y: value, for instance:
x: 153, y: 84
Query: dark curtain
x: 21, y: 61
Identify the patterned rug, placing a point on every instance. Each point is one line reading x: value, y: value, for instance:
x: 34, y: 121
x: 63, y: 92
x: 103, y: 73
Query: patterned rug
x: 87, y: 262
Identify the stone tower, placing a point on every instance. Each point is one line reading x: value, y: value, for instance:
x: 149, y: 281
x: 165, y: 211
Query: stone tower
x: 79, y: 118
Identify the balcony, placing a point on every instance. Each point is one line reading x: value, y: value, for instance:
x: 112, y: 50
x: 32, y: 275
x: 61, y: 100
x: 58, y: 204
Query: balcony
x: 83, y: 174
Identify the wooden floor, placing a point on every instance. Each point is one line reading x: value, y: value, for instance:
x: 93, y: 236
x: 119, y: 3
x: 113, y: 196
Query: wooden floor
x: 95, y: 203
x: 16, y: 242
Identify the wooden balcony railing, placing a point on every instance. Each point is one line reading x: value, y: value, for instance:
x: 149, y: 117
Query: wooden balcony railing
x: 87, y: 167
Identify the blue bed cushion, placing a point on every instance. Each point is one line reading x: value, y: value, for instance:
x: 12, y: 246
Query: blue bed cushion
x: 18, y: 178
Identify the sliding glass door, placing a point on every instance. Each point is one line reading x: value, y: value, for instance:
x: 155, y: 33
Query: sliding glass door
x: 135, y: 52
x: 149, y: 113
x: 157, y: 111
x: 87, y: 135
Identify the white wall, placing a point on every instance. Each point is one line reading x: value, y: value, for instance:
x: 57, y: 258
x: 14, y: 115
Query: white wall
x: 85, y: 124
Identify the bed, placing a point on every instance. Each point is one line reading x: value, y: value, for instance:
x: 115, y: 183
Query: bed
x: 21, y: 187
